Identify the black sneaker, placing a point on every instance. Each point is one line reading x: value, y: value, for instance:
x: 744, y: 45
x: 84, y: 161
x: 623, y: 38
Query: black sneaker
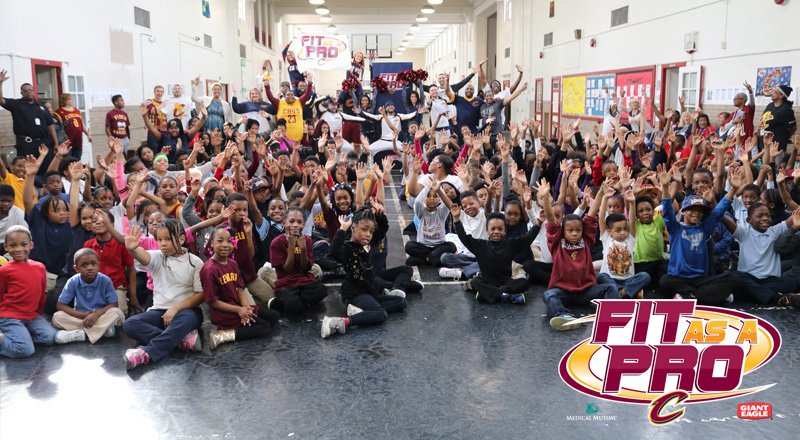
x: 789, y: 299
x: 518, y: 298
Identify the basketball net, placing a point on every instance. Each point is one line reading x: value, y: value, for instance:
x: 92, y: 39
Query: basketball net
x: 371, y: 54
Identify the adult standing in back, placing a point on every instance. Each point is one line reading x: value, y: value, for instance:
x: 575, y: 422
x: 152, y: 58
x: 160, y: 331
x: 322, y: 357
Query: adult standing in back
x: 72, y: 121
x: 219, y: 110
x: 290, y: 109
x: 32, y: 123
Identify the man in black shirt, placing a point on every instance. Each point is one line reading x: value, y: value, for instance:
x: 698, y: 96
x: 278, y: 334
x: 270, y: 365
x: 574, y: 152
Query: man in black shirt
x: 33, y: 124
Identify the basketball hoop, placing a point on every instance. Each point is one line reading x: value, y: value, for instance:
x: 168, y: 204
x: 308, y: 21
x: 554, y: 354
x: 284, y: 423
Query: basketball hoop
x: 371, y: 54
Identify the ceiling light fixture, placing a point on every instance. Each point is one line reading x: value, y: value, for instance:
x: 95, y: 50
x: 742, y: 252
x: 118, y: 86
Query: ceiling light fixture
x: 322, y: 10
x: 332, y: 28
x: 415, y: 27
x: 316, y: 2
x: 326, y: 19
x: 410, y: 36
x: 427, y: 9
x: 421, y: 18
x: 403, y: 43
x: 435, y: 2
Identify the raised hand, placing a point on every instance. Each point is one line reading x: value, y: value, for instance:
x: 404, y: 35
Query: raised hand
x: 4, y: 76
x: 543, y: 190
x: 64, y: 148
x: 43, y: 150
x: 132, y: 238
x: 455, y: 211
x: 345, y: 222
x: 32, y: 166
x: 361, y: 171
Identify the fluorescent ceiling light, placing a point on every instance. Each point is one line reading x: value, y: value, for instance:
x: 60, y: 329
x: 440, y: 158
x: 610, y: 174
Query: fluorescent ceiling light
x: 319, y: 2
x: 322, y: 10
x: 435, y: 2
x: 326, y: 19
x: 332, y: 28
x: 421, y: 18
x: 427, y: 9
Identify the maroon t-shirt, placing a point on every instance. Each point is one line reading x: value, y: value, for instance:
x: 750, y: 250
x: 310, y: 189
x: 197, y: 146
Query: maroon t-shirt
x: 221, y: 283
x: 242, y: 254
x: 72, y: 122
x: 279, y: 250
x: 117, y: 122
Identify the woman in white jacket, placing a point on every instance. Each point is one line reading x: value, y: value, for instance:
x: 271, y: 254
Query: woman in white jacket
x: 219, y: 111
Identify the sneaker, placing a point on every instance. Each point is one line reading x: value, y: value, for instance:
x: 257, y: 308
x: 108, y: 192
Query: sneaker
x: 111, y: 332
x: 563, y: 322
x: 219, y: 337
x: 395, y: 292
x: 270, y: 302
x: 504, y: 297
x: 191, y: 342
x: 135, y: 357
x: 729, y: 299
x: 518, y: 298
x: 451, y: 273
x: 332, y: 325
x: 417, y: 285
x: 353, y: 310
x: 784, y: 299
x: 67, y: 336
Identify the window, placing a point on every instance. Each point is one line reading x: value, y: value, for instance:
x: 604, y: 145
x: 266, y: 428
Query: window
x: 242, y: 10
x: 242, y: 51
x: 262, y: 26
x: 508, y: 52
x: 548, y: 39
x: 508, y: 9
x: 552, y: 9
x: 141, y: 17
x: 619, y: 16
x: 207, y: 41
x: 75, y: 87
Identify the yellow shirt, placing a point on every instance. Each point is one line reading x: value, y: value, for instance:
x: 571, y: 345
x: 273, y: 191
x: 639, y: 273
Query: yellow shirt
x: 18, y: 185
x: 3, y: 261
x: 293, y: 114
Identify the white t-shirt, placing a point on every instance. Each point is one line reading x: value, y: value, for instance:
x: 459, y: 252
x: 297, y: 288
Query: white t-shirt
x: 426, y: 179
x: 739, y: 210
x: 16, y: 216
x: 617, y: 256
x: 174, y: 281
x: 541, y: 242
x: 757, y: 254
x: 180, y: 108
x: 439, y: 106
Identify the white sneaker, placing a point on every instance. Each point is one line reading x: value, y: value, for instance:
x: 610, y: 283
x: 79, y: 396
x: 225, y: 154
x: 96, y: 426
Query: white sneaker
x: 111, y: 332
x: 563, y: 323
x: 395, y: 292
x: 67, y: 336
x: 353, y: 310
x: 451, y: 272
x: 332, y: 325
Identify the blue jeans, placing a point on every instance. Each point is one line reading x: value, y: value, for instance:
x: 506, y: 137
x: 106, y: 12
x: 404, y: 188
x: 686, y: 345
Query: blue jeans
x: 148, y: 328
x: 556, y: 298
x: 631, y: 285
x: 21, y: 335
x: 461, y: 261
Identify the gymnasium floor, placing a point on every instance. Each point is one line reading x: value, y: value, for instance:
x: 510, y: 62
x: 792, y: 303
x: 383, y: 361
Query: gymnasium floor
x: 447, y: 367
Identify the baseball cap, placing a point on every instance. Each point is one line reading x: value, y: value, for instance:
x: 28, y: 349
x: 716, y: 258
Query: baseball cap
x: 695, y: 201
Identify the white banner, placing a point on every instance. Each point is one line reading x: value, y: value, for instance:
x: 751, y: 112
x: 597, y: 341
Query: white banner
x: 321, y: 52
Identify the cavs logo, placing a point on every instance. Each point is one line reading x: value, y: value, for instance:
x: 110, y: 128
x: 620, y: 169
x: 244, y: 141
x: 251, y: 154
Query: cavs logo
x: 672, y: 352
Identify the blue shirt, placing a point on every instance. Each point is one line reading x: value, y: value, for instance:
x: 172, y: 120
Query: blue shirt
x: 88, y: 297
x: 468, y: 112
x: 688, y: 253
x: 51, y: 241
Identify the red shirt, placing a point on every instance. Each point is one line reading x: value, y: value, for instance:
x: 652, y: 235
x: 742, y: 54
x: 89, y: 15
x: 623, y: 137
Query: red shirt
x: 221, y: 282
x: 22, y: 290
x: 279, y: 250
x: 73, y: 125
x: 572, y: 263
x: 155, y: 115
x: 114, y: 258
x: 118, y: 123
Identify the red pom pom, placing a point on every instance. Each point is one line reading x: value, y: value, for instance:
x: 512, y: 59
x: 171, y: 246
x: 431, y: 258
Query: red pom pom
x: 407, y: 76
x: 349, y: 84
x: 380, y: 85
x: 421, y: 74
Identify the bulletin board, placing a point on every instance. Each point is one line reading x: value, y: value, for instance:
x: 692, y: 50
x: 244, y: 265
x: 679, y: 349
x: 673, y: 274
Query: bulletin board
x: 583, y: 95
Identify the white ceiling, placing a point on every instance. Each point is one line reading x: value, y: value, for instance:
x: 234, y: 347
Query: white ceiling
x: 376, y: 17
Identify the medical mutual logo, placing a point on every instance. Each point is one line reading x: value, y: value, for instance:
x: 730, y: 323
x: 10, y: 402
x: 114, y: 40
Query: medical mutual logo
x: 670, y: 353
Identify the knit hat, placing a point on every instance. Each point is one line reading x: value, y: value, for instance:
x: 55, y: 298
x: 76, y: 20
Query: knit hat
x: 785, y: 90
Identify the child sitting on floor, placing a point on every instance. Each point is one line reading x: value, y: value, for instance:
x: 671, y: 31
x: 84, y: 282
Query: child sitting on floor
x: 22, y: 296
x: 495, y: 255
x: 431, y: 207
x: 291, y: 255
x: 228, y: 302
x: 573, y: 280
x: 617, y: 235
x: 89, y: 301
x: 177, y: 292
x: 368, y: 303
x: 690, y: 263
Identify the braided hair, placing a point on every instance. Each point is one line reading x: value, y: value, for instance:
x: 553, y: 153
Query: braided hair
x: 176, y: 231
